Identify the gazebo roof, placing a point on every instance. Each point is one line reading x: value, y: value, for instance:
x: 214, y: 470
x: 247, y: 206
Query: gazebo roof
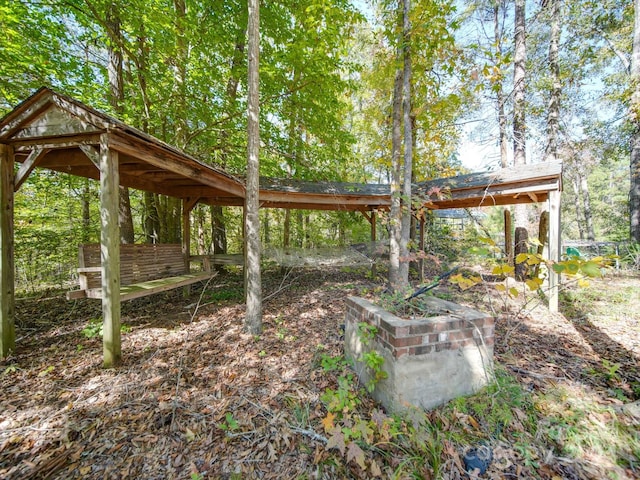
x: 54, y: 131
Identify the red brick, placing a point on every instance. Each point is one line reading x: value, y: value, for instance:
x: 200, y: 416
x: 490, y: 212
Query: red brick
x: 468, y: 342
x: 400, y: 352
x: 440, y: 327
x: 466, y: 333
x: 440, y: 347
x: 421, y: 329
x: 401, y: 331
x: 386, y: 326
x: 422, y: 350
x: 430, y: 339
x: 406, y: 341
x: 479, y: 322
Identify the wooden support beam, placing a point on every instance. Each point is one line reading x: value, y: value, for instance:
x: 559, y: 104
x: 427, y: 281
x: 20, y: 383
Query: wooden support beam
x: 36, y: 155
x: 7, y: 274
x: 110, y: 253
x: 421, y: 245
x: 374, y: 234
x: 555, y: 242
x: 92, y: 154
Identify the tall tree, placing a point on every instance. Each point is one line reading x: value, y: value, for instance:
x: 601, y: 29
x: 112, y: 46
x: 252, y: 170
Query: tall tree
x: 253, y: 317
x: 553, y: 109
x: 634, y: 164
x: 113, y: 26
x: 498, y: 87
x: 408, y: 126
x: 519, y: 127
x: 396, y: 279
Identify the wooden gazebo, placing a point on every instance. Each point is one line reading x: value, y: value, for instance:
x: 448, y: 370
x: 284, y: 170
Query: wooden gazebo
x: 53, y: 131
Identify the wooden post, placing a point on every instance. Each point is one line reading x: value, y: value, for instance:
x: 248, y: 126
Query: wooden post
x: 422, y: 242
x: 508, y: 238
x: 7, y: 274
x: 374, y: 233
x: 110, y: 253
x: 554, y: 247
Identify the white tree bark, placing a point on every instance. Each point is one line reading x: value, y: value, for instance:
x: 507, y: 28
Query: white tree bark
x: 634, y: 164
x: 253, y: 318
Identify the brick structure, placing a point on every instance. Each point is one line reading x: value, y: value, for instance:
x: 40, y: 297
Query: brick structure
x: 428, y: 360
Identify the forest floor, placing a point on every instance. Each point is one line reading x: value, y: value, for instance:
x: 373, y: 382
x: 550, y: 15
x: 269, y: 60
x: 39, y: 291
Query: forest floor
x: 196, y: 397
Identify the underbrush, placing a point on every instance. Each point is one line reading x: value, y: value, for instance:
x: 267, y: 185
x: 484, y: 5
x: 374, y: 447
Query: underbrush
x: 556, y: 433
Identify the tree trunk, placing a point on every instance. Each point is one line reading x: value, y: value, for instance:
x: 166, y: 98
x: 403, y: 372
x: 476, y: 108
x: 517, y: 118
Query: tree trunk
x: 575, y: 183
x: 508, y: 237
x: 395, y: 214
x: 116, y: 96
x: 286, y: 231
x: 586, y: 200
x: 253, y: 318
x: 201, y: 240
x: 553, y: 113
x: 151, y: 218
x: 218, y: 230
x: 502, y: 118
x: 86, y: 211
x: 634, y: 164
x: 521, y: 245
x: 124, y: 216
x: 408, y: 144
x: 519, y: 103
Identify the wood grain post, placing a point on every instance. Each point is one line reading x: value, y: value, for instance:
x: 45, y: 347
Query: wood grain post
x: 7, y: 274
x: 422, y: 244
x: 374, y: 233
x: 110, y: 253
x: 555, y: 243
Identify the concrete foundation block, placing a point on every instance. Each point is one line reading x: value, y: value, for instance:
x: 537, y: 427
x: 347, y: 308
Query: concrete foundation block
x: 428, y: 361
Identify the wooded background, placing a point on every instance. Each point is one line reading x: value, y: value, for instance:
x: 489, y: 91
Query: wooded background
x: 178, y: 70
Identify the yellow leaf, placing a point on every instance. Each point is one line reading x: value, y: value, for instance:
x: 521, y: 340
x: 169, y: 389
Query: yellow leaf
x: 501, y: 288
x: 375, y: 469
x: 535, y: 241
x: 473, y: 422
x: 497, y: 270
x: 533, y: 260
x: 532, y: 284
x: 507, y: 269
x: 327, y: 422
x: 487, y: 240
x: 190, y: 435
x: 521, y: 257
x: 513, y: 291
x: 583, y: 282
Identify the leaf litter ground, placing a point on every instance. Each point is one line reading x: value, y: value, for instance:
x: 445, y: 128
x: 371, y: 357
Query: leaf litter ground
x: 196, y: 397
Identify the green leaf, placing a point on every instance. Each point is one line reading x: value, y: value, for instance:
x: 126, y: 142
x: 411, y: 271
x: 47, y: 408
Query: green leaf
x: 591, y: 269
